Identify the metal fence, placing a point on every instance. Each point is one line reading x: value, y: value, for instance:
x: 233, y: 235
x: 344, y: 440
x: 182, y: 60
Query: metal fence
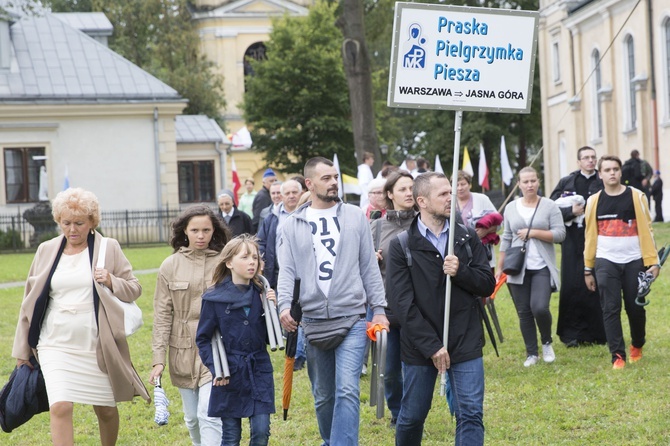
x: 139, y: 227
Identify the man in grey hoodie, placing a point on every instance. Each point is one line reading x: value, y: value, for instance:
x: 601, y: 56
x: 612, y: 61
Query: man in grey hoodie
x: 328, y: 246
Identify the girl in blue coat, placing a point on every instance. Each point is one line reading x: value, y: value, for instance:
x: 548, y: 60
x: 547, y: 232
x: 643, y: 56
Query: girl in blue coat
x: 233, y: 305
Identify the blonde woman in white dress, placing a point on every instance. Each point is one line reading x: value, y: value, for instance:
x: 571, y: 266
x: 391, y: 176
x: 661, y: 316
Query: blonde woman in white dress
x: 72, y: 325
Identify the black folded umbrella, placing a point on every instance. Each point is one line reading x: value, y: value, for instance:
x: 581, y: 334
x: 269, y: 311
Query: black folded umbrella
x: 291, y: 349
x: 645, y: 279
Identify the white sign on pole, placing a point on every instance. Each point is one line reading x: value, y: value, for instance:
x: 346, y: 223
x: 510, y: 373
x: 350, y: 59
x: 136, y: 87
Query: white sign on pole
x: 462, y: 58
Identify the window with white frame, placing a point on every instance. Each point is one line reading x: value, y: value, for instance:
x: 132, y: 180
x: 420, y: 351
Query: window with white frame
x: 22, y: 174
x: 196, y: 181
x: 556, y: 62
x: 629, y: 84
x: 596, y: 79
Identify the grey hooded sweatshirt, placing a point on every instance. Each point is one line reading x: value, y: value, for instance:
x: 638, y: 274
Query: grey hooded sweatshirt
x: 356, y: 280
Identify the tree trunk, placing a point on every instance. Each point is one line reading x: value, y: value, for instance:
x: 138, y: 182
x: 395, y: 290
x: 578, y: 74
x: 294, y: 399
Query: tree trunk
x: 359, y: 79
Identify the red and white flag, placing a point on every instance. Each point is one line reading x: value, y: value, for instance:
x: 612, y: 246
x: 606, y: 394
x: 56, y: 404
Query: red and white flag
x: 483, y: 169
x: 236, y: 181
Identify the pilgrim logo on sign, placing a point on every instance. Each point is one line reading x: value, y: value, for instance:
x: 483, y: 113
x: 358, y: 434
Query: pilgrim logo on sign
x: 414, y: 52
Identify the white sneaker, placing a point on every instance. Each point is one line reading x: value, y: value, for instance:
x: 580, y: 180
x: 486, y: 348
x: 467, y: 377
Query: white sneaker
x: 548, y: 353
x: 531, y: 360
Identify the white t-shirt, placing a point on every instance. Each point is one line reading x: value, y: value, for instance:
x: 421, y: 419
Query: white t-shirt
x: 325, y: 238
x: 534, y: 260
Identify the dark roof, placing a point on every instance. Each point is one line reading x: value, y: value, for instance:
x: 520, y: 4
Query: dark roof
x: 53, y: 62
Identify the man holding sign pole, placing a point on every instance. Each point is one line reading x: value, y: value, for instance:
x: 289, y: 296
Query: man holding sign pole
x: 416, y: 282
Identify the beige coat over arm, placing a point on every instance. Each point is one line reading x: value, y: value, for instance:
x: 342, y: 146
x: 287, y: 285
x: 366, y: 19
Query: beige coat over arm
x: 182, y: 279
x: 112, y: 350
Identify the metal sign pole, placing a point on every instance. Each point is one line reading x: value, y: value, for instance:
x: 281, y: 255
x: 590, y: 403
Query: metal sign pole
x: 450, y: 244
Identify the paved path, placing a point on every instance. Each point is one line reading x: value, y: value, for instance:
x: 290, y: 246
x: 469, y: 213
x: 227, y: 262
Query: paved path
x: 23, y: 283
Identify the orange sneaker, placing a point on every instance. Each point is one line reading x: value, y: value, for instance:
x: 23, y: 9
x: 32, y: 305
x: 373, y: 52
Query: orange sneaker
x: 619, y: 362
x: 635, y: 354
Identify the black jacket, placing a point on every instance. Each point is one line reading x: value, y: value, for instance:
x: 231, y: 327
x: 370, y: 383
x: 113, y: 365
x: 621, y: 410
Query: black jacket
x: 567, y: 184
x: 240, y: 223
x: 416, y: 296
x: 23, y: 396
x: 261, y: 201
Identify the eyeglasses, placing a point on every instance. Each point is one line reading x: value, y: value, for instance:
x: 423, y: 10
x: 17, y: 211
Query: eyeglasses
x: 375, y: 193
x: 588, y: 158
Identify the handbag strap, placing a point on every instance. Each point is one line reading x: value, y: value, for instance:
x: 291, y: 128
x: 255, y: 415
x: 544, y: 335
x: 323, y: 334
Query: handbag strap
x: 101, y: 253
x: 531, y: 223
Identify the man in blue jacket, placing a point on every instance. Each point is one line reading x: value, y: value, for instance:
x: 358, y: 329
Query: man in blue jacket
x: 416, y: 293
x: 328, y: 245
x: 268, y: 236
x: 268, y: 232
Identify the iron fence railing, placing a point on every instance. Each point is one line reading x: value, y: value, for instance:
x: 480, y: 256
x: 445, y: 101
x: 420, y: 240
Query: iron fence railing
x: 129, y: 227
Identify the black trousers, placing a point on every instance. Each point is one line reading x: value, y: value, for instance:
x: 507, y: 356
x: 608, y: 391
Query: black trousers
x: 615, y: 279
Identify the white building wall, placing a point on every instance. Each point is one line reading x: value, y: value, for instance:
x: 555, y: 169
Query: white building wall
x: 109, y: 151
x: 568, y: 110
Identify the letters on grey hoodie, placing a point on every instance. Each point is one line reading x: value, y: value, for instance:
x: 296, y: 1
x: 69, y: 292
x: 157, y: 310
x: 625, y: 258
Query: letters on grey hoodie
x: 356, y: 280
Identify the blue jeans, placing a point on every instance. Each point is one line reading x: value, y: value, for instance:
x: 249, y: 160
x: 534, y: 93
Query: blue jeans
x: 259, y: 430
x: 467, y: 385
x: 393, y: 373
x: 335, y: 376
x: 300, y: 348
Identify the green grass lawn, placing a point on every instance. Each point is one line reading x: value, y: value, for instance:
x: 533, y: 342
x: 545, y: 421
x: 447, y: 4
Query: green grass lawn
x: 578, y: 400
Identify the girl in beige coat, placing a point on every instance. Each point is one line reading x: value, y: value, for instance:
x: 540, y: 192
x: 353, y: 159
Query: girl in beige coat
x: 198, y: 237
x: 72, y: 324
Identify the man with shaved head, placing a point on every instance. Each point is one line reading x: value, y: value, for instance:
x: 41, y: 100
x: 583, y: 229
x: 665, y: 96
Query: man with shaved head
x: 339, y: 279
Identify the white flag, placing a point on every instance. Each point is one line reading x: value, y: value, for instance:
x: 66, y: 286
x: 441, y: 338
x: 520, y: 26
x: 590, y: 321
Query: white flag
x: 242, y: 139
x: 467, y: 164
x: 340, y: 187
x: 438, y: 166
x: 66, y: 180
x: 505, y: 168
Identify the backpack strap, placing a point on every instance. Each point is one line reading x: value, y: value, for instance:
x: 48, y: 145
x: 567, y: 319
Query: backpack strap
x: 468, y: 249
x: 403, y: 238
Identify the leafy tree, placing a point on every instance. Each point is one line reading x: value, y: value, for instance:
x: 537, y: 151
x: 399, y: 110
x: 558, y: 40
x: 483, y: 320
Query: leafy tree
x: 297, y: 102
x: 13, y: 8
x: 160, y: 37
x: 70, y: 5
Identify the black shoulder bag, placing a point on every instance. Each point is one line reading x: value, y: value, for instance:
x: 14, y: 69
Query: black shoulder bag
x: 515, y: 256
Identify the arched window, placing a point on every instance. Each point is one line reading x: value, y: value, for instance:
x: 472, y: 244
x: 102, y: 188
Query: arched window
x: 255, y: 52
x: 597, y: 85
x: 629, y: 70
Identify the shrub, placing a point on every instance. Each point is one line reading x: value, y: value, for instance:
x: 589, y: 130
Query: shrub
x: 10, y: 239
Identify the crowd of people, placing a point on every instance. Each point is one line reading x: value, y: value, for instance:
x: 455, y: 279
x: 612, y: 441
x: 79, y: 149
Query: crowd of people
x: 387, y: 263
